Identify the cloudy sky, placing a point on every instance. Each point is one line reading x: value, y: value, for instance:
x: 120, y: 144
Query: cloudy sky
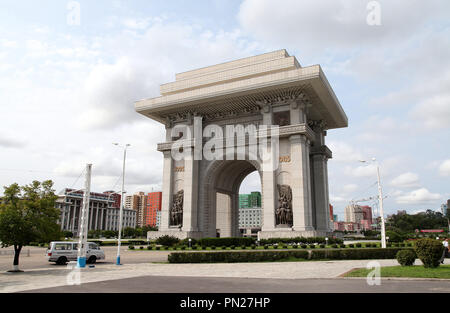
x: 67, y: 89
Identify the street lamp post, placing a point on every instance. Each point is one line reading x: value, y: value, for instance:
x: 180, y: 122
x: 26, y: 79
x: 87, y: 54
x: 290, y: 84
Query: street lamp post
x: 380, y: 200
x: 121, y: 203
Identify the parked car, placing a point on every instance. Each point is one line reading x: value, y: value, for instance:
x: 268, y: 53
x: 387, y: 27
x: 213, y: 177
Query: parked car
x: 62, y: 252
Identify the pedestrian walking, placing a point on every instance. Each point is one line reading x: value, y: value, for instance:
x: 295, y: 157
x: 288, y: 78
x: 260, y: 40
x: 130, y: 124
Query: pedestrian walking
x: 445, y: 252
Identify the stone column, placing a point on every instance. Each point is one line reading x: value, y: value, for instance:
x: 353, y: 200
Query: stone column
x: 269, y: 189
x: 190, y: 187
x: 167, y: 190
x: 101, y: 219
x: 301, y: 199
x: 320, y: 156
x: 268, y: 179
x: 63, y: 215
x: 321, y: 192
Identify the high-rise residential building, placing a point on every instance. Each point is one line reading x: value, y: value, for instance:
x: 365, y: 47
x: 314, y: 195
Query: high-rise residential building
x: 252, y: 200
x: 353, y: 213
x: 103, y: 211
x: 367, y: 214
x: 158, y: 219
x: 152, y: 208
x: 250, y: 213
x: 137, y: 202
x: 361, y: 215
x: 444, y: 207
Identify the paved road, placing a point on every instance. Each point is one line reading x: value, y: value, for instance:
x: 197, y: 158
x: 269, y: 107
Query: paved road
x: 37, y: 259
x: 170, y: 284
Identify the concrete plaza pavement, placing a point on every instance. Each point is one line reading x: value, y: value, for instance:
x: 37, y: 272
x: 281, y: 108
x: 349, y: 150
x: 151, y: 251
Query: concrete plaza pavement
x: 200, y: 285
x: 37, y: 258
x: 266, y: 272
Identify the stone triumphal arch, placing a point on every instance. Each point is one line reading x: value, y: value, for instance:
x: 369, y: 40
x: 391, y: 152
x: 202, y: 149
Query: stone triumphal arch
x: 264, y: 113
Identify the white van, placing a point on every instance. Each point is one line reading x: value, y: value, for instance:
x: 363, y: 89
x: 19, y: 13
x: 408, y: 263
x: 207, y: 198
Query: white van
x: 62, y: 252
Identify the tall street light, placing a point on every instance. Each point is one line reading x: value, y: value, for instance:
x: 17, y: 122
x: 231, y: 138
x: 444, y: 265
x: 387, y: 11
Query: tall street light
x: 380, y: 201
x: 121, y: 202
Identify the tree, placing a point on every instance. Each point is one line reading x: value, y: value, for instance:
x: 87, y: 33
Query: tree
x: 405, y: 223
x: 129, y: 232
x: 28, y: 214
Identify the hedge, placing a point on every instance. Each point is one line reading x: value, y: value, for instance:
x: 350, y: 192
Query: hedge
x: 355, y: 254
x: 234, y: 256
x: 261, y: 256
x: 228, y: 242
x: 301, y: 240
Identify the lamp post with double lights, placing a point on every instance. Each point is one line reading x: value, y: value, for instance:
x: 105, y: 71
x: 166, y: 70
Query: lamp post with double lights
x: 380, y: 200
x: 121, y: 202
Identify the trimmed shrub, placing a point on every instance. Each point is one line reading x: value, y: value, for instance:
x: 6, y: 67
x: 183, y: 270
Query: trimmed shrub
x: 137, y: 242
x: 235, y: 256
x: 167, y: 240
x: 294, y: 246
x: 131, y: 247
x: 429, y: 251
x: 158, y: 248
x: 149, y: 247
x: 233, y: 247
x: 351, y: 245
x: 304, y: 246
x: 322, y: 246
x: 141, y: 248
x: 309, y: 240
x: 406, y: 257
x: 213, y: 248
x: 334, y: 246
x: 266, y: 247
x: 358, y: 245
x: 183, y: 247
x: 355, y: 254
x: 232, y: 241
x: 342, y: 246
x: 312, y: 246
x: 253, y: 247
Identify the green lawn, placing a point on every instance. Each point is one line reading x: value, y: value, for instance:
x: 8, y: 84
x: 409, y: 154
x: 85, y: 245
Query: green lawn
x: 418, y: 271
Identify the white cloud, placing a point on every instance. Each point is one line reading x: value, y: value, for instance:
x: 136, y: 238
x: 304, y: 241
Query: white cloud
x: 419, y: 196
x: 349, y: 188
x: 344, y: 152
x: 406, y: 180
x: 444, y: 168
x: 369, y: 170
x: 8, y: 142
x: 337, y: 200
x: 434, y: 112
x: 314, y: 25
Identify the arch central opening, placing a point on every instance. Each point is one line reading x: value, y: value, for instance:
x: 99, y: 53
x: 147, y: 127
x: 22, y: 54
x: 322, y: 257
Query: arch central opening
x: 225, y: 191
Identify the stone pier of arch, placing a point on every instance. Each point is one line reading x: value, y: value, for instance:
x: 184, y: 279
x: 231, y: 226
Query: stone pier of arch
x: 271, y: 89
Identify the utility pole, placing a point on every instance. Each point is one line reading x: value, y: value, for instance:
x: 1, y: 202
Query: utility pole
x: 380, y: 201
x: 121, y: 204
x: 380, y: 197
x: 82, y: 242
